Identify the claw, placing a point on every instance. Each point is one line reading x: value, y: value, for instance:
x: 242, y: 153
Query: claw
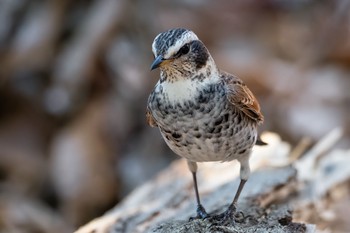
x: 230, y: 216
x: 239, y: 217
x: 201, y: 213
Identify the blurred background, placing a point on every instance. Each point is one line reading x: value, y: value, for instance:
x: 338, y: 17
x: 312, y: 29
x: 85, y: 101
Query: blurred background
x: 75, y: 78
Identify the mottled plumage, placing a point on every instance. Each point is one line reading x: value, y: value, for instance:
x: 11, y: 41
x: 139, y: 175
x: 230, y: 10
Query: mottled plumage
x: 203, y: 114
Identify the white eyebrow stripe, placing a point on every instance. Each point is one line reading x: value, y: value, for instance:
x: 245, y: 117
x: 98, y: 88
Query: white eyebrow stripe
x: 186, y: 38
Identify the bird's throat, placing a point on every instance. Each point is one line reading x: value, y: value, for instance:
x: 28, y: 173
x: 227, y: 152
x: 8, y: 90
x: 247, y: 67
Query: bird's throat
x: 181, y: 86
x: 180, y: 90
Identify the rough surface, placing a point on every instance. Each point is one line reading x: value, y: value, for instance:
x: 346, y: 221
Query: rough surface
x: 270, y: 220
x: 166, y: 203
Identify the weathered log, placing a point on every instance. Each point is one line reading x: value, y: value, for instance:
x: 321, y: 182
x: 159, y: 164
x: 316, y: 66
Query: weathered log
x: 166, y: 203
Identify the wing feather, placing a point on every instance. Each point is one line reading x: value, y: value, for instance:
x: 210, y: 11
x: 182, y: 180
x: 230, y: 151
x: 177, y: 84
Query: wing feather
x: 241, y: 97
x: 150, y: 119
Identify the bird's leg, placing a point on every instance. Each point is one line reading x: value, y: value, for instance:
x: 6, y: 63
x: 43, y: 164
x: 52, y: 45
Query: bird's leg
x: 230, y: 215
x: 201, y: 213
x: 233, y: 206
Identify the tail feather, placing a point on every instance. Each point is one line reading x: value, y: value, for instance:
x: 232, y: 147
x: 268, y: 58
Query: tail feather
x: 260, y: 142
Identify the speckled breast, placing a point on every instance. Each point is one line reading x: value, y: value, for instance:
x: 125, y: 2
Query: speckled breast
x: 207, y: 128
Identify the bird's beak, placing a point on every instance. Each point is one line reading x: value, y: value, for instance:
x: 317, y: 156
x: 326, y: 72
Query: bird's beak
x: 158, y: 61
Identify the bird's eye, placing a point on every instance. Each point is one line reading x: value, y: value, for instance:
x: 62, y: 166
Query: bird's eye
x: 184, y: 50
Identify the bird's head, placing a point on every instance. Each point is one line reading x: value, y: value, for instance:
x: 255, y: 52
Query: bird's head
x: 179, y: 52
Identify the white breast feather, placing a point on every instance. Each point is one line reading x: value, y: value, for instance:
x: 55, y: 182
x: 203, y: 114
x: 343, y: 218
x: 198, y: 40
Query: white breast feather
x: 183, y: 89
x: 179, y: 91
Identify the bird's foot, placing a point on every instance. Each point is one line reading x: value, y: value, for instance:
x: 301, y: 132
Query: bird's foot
x: 229, y: 217
x: 201, y: 213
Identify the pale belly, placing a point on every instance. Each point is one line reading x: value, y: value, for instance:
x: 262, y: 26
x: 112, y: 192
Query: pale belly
x: 198, y: 141
x: 208, y: 130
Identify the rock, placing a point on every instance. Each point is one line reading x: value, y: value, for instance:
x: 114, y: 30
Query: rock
x: 166, y: 203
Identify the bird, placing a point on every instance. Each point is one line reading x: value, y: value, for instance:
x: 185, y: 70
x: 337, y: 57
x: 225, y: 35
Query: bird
x: 204, y: 114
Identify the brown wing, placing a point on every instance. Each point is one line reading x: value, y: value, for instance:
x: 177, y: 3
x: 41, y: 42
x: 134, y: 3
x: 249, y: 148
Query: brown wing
x: 241, y: 97
x: 149, y: 118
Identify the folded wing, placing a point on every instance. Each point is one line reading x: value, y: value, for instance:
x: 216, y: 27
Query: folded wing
x: 242, y: 98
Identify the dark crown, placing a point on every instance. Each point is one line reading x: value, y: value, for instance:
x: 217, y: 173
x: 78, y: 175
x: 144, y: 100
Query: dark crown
x: 167, y: 39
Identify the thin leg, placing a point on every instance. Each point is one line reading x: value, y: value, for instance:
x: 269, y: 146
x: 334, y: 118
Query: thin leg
x: 238, y: 193
x: 244, y: 174
x: 231, y: 211
x: 201, y: 213
x: 196, y: 187
x: 230, y: 215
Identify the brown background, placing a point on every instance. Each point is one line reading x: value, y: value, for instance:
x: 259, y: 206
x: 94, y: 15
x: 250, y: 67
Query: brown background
x: 74, y: 82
